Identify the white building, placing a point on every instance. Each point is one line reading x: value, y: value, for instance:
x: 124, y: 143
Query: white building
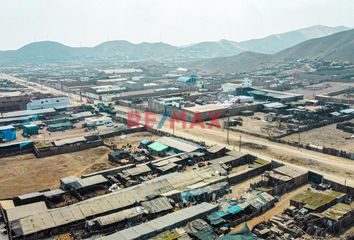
x: 50, y: 102
x: 171, y: 101
x: 98, y: 121
x: 246, y: 83
x: 230, y: 87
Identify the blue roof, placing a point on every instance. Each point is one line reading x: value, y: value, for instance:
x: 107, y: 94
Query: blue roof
x: 145, y: 142
x: 215, y: 219
x: 183, y: 79
x: 233, y: 209
x: 221, y: 214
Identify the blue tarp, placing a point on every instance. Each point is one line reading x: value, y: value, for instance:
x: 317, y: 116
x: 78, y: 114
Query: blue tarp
x: 215, y: 219
x: 186, y: 79
x: 234, y: 209
x: 7, y: 133
x: 221, y: 214
x: 145, y: 142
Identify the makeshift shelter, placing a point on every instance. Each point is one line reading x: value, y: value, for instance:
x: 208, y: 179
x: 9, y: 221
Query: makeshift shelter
x: 60, y: 126
x: 244, y: 234
x: 30, y: 130
x: 157, y: 148
x: 187, y: 80
x: 144, y: 143
x: 7, y: 133
x: 117, y: 155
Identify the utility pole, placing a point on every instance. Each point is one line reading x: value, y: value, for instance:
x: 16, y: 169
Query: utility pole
x: 228, y: 123
x: 173, y: 129
x: 239, y: 146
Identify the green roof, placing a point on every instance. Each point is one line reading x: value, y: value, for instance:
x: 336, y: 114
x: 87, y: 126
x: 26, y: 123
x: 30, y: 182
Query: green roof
x: 337, y: 211
x: 314, y: 200
x: 158, y: 147
x: 258, y: 163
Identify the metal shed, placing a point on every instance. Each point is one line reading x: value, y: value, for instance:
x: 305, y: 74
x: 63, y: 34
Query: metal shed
x: 8, y: 133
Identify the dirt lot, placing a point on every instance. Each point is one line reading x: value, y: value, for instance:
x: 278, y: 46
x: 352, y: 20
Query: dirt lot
x: 241, y: 188
x: 327, y: 136
x: 257, y: 125
x: 26, y: 173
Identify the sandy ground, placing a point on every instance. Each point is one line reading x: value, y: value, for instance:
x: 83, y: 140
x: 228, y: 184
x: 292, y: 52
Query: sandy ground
x: 26, y: 173
x: 335, y: 168
x: 257, y: 125
x: 277, y: 209
x: 327, y: 136
x: 241, y: 188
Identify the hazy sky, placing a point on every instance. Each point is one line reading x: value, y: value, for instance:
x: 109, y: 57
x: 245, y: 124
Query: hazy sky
x: 178, y: 22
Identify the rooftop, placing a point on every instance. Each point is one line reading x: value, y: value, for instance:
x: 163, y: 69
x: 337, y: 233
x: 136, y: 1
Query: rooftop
x: 207, y: 107
x: 337, y: 211
x: 180, y: 144
x: 314, y: 200
x: 166, y: 222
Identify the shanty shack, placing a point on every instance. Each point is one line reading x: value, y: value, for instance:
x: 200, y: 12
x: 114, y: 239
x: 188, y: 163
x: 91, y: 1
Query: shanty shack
x: 158, y: 148
x: 30, y: 130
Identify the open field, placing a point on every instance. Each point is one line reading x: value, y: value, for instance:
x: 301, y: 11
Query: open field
x: 257, y: 125
x: 327, y: 136
x: 25, y: 173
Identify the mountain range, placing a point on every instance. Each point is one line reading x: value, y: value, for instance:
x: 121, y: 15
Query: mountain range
x: 48, y: 51
x: 338, y: 46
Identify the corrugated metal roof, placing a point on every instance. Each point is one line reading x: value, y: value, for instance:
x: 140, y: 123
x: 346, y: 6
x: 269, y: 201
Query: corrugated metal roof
x: 179, y: 144
x: 167, y: 222
x: 123, y: 198
x: 69, y: 141
x: 119, y: 216
x: 25, y: 210
x: 139, y: 169
x: 290, y: 171
x: 8, y: 127
x: 157, y: 205
x: 27, y: 112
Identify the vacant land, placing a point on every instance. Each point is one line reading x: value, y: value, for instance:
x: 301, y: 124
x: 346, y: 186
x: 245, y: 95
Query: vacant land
x: 257, y: 125
x: 327, y: 136
x: 26, y: 173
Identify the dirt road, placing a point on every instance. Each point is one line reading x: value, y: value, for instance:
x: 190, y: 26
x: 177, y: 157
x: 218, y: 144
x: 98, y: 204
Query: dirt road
x: 336, y: 168
x: 332, y: 167
x: 74, y: 99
